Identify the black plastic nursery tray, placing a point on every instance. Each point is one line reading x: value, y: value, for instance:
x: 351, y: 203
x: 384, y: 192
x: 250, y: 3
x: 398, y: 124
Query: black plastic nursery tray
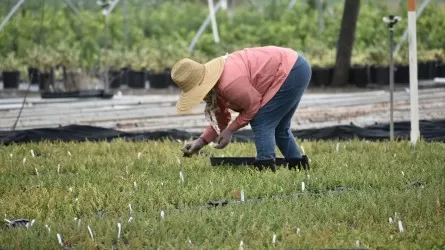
x: 240, y: 161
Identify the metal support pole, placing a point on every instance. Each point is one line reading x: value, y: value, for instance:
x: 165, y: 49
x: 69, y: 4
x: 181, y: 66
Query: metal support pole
x: 213, y: 19
x: 11, y: 13
x: 72, y: 7
x: 391, y: 21
x: 405, y: 33
x: 127, y: 37
x: 320, y: 15
x: 202, y: 28
x: 291, y: 4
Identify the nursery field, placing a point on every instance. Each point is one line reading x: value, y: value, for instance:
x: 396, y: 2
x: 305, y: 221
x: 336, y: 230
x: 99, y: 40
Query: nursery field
x: 354, y: 196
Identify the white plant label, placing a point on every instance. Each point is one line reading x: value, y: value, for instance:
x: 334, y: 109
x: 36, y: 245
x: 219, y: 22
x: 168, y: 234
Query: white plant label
x: 181, y: 176
x: 32, y: 153
x: 337, y: 147
x: 129, y: 207
x: 47, y: 227
x: 302, y: 186
x: 403, y: 173
x: 91, y: 233
x: 24, y: 160
x: 302, y: 149
x: 76, y: 200
x: 135, y: 185
x: 241, y: 244
x: 59, y: 239
x: 400, y: 226
x: 357, y: 243
x: 242, y: 195
x: 119, y: 228
x: 78, y: 222
x: 298, y: 231
x: 390, y: 220
x: 58, y: 168
x: 274, y: 239
x: 69, y: 153
x: 130, y: 219
x: 162, y: 214
x: 139, y: 155
x: 10, y: 155
x: 37, y: 172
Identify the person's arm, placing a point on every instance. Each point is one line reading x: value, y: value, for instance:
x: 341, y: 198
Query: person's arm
x: 223, y: 118
x: 244, y: 95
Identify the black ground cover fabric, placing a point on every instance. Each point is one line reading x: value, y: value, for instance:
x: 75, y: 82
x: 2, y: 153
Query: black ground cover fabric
x: 429, y: 130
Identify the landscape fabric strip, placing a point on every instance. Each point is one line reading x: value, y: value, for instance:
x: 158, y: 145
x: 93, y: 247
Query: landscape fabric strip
x: 429, y: 130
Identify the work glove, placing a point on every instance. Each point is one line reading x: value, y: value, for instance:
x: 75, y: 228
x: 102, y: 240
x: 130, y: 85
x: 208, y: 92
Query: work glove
x: 224, y: 139
x: 193, y: 147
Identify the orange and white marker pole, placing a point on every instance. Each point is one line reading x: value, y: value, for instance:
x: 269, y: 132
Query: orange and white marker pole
x: 413, y: 80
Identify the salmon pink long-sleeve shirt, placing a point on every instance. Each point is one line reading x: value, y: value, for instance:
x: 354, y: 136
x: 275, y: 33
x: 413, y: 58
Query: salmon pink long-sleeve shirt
x: 251, y: 77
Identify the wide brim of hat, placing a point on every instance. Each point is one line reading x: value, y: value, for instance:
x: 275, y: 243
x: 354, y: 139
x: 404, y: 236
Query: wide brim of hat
x: 192, y: 98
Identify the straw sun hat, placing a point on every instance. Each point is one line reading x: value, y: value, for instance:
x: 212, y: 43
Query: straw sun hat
x: 195, y: 81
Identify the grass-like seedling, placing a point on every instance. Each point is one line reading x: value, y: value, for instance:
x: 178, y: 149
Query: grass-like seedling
x: 357, y: 194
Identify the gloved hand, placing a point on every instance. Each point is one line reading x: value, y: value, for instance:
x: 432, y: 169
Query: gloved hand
x: 224, y: 139
x: 193, y: 147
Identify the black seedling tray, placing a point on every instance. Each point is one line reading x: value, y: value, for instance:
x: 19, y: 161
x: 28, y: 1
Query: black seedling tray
x: 240, y: 161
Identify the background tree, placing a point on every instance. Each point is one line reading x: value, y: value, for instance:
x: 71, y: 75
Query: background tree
x: 346, y: 42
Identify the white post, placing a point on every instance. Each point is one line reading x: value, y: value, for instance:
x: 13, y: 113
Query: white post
x: 413, y: 80
x: 213, y: 19
x: 202, y: 29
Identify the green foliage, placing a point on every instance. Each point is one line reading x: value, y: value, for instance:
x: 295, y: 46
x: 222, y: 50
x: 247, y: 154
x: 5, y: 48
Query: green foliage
x: 160, y: 32
x: 11, y: 63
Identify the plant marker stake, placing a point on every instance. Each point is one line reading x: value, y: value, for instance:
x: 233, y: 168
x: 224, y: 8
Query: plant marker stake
x: 241, y: 243
x: 76, y: 200
x: 91, y: 233
x: 390, y: 220
x: 274, y: 239
x: 135, y: 185
x: 10, y: 155
x: 59, y: 239
x: 78, y: 222
x: 32, y: 153
x: 37, y: 172
x: 298, y: 231
x: 69, y: 153
x: 131, y: 210
x: 58, y: 168
x: 357, y: 243
x: 126, y: 170
x: 337, y: 146
x: 302, y: 149
x: 400, y: 226
x: 119, y: 227
x: 47, y: 227
x: 139, y: 155
x: 130, y: 219
x: 403, y: 173
x: 162, y: 214
x: 181, y: 176
x: 242, y: 195
x: 302, y: 186
x: 24, y: 160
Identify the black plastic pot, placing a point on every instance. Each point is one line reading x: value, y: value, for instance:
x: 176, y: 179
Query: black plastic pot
x: 401, y: 74
x: 115, y: 78
x: 424, y: 70
x: 11, y: 80
x: 136, y: 79
x: 380, y: 75
x: 321, y: 76
x: 240, y: 161
x: 159, y: 80
x: 358, y: 75
x: 46, y: 79
x: 440, y: 70
x: 34, y: 75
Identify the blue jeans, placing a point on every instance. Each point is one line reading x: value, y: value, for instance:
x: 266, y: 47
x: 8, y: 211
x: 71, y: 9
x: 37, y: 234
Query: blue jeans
x: 271, y: 125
